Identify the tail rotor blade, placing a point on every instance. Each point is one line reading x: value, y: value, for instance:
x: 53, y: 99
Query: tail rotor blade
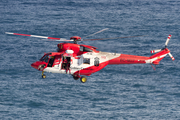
x: 167, y: 41
x: 170, y: 55
x: 155, y: 51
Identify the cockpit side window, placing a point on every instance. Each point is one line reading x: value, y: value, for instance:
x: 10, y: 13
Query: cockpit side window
x: 45, y: 58
x: 85, y: 49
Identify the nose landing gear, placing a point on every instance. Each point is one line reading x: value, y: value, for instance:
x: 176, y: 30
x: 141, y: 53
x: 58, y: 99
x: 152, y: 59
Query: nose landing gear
x: 43, y: 75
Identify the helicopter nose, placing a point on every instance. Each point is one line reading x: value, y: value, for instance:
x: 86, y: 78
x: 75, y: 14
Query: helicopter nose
x: 35, y: 65
x: 39, y: 65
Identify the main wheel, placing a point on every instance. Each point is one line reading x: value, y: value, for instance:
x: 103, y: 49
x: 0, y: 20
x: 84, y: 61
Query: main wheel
x: 75, y: 78
x: 43, y: 76
x: 83, y: 79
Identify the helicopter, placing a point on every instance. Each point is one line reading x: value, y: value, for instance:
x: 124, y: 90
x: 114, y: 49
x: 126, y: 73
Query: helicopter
x: 81, y: 60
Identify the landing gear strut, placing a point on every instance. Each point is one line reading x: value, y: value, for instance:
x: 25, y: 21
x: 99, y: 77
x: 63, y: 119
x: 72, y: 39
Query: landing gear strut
x: 75, y: 77
x: 43, y: 75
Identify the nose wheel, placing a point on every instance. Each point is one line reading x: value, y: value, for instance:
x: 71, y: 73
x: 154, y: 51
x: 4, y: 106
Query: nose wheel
x: 43, y: 75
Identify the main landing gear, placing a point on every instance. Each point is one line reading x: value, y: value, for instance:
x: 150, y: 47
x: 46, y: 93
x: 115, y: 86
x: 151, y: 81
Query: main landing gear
x: 83, y: 79
x: 75, y: 78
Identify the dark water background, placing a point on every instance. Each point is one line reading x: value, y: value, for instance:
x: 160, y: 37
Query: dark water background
x: 116, y: 92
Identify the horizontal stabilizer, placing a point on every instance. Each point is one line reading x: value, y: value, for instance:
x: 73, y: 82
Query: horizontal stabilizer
x: 155, y: 51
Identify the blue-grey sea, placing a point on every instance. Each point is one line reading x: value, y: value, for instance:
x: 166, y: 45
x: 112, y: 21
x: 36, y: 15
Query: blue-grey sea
x: 119, y: 92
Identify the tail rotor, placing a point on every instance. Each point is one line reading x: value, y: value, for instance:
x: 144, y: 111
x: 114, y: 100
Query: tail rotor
x: 166, y: 43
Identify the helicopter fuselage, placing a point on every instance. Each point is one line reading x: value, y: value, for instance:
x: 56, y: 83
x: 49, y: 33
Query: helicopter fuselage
x: 80, y: 60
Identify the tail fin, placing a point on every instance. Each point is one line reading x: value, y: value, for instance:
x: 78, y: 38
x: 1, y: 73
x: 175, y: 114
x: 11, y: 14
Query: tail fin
x: 156, y: 58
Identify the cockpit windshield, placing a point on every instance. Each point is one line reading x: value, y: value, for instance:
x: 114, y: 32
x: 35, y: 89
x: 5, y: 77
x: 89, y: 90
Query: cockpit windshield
x: 45, y: 58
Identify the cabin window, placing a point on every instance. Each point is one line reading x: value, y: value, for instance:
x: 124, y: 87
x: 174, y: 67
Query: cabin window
x: 96, y: 61
x: 86, y: 61
x: 81, y: 48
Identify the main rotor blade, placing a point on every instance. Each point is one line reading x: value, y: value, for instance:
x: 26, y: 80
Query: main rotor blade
x: 112, y: 38
x: 37, y: 36
x: 97, y: 32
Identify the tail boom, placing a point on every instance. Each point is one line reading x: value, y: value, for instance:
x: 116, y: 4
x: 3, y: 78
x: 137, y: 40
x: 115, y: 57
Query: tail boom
x: 128, y: 59
x: 133, y: 59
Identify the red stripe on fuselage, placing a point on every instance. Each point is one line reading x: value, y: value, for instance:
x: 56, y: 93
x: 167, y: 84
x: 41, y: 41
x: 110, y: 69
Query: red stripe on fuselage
x: 88, y: 71
x: 128, y: 59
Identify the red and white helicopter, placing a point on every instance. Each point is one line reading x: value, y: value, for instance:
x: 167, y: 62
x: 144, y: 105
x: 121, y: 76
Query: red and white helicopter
x: 83, y: 60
